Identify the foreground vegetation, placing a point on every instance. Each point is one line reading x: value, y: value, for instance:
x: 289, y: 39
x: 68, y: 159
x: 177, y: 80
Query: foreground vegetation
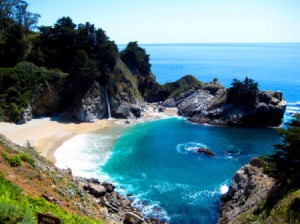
x: 27, y: 181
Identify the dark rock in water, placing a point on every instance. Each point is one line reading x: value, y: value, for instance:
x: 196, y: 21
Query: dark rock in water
x: 206, y: 151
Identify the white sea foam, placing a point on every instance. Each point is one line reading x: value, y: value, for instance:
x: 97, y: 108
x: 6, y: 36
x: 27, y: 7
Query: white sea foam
x: 151, y: 209
x: 224, y: 189
x: 294, y: 103
x: 84, y: 154
x: 189, y: 147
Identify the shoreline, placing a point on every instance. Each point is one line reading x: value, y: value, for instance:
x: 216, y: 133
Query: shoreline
x: 47, y: 134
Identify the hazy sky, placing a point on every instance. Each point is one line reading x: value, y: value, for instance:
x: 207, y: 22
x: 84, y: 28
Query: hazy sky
x: 181, y: 21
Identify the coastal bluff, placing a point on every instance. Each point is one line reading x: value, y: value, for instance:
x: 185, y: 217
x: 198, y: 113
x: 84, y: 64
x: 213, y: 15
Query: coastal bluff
x: 202, y: 103
x: 211, y: 104
x: 256, y: 197
x: 249, y: 187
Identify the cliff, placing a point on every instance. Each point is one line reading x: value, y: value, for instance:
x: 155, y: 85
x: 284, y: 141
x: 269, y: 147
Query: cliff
x: 254, y: 197
x: 126, y: 91
x: 210, y: 104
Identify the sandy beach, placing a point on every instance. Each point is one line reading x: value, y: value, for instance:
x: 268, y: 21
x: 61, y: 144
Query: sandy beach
x: 49, y: 133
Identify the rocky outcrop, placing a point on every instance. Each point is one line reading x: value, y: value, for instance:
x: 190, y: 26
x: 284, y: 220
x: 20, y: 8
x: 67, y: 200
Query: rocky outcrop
x: 209, y: 105
x: 128, y: 111
x: 26, y: 115
x: 114, y: 206
x: 249, y: 187
x: 92, y: 105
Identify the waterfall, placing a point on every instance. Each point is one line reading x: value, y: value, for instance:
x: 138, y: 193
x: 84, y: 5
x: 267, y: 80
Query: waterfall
x: 108, y: 105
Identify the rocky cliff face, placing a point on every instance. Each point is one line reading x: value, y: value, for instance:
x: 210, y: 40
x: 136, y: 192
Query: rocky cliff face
x: 92, y: 105
x: 26, y: 115
x: 250, y: 186
x: 208, y: 104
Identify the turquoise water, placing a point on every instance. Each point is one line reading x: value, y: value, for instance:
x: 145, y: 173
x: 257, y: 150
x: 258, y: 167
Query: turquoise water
x: 156, y: 161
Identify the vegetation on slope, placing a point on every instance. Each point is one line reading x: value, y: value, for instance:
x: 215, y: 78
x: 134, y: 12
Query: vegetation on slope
x: 283, y: 203
x: 18, y: 84
x: 27, y: 180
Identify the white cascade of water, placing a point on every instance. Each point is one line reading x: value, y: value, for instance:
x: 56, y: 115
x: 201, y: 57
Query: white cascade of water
x: 108, y: 105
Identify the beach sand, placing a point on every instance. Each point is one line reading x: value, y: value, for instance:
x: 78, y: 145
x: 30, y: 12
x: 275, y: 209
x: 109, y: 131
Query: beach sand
x: 47, y: 134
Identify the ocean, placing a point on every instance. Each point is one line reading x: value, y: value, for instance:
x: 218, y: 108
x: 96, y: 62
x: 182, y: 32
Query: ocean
x: 156, y: 161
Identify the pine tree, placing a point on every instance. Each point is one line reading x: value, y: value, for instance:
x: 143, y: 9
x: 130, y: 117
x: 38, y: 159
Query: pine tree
x: 286, y: 159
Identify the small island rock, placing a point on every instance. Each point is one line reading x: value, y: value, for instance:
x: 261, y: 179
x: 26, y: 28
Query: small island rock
x: 206, y: 151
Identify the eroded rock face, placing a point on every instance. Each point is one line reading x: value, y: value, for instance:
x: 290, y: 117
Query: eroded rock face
x: 249, y: 187
x: 209, y: 105
x: 26, y: 115
x: 128, y: 111
x: 93, y: 104
x: 197, y: 102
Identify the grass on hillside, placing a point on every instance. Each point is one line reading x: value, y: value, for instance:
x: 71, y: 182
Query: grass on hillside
x: 26, y: 177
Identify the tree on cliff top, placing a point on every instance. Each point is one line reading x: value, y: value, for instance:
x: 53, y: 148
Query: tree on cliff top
x: 285, y: 162
x: 243, y: 92
x: 135, y: 57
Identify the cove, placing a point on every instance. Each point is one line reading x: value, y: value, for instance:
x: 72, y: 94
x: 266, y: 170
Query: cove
x: 157, y: 162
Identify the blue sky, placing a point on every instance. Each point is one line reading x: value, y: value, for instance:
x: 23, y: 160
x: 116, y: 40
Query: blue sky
x: 181, y: 21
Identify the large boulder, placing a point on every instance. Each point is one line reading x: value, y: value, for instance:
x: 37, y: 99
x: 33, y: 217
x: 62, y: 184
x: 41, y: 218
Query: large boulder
x: 128, y: 111
x: 95, y: 189
x: 132, y: 218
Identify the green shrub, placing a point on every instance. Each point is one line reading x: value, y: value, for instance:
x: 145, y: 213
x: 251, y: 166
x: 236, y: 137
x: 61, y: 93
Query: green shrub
x: 27, y: 158
x: 10, y: 214
x: 14, y: 161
